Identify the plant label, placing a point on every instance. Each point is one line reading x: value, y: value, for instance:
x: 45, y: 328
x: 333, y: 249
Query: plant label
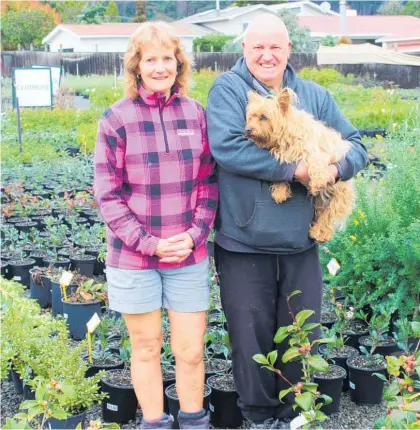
x: 211, y: 407
x: 352, y: 385
x: 298, y: 422
x: 65, y: 316
x: 333, y: 266
x: 66, y: 278
x: 93, y: 323
x: 17, y: 278
x: 112, y: 407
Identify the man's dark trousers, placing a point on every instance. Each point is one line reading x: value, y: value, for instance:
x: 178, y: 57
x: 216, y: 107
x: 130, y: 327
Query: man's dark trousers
x: 253, y: 292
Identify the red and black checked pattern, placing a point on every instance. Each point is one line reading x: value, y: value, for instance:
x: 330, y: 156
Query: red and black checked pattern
x: 154, y: 178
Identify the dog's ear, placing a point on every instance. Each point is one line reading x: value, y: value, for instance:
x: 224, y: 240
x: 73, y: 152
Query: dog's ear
x: 253, y: 96
x: 285, y: 99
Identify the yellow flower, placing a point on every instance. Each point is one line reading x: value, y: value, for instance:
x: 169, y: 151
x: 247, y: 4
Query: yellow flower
x: 353, y: 238
x: 356, y: 222
x: 358, y: 175
x: 361, y: 214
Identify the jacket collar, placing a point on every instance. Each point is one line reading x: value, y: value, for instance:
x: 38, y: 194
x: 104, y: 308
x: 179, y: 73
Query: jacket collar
x: 156, y: 99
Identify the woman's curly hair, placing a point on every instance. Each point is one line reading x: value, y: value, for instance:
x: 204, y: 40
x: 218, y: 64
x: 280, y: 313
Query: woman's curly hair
x: 158, y: 33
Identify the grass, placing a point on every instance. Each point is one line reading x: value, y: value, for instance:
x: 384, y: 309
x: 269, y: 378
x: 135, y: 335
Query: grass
x: 84, y: 84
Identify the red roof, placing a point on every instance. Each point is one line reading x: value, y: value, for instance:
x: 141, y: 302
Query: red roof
x: 373, y: 25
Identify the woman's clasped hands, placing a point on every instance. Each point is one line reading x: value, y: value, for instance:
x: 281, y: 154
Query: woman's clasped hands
x: 174, y: 249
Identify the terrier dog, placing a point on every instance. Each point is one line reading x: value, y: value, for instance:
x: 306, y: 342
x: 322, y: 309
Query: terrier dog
x: 292, y: 135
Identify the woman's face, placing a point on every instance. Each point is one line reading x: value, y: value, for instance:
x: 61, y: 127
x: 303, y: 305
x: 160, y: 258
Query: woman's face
x: 158, y: 69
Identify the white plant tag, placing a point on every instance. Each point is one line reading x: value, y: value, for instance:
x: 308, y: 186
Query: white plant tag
x: 17, y: 278
x: 352, y: 386
x: 298, y: 422
x: 112, y: 407
x: 66, y: 278
x: 65, y: 316
x: 6, y: 270
x: 93, y: 323
x: 211, y: 407
x: 333, y: 266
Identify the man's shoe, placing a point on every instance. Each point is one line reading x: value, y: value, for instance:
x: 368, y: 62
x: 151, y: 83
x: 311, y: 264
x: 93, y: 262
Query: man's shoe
x: 164, y: 423
x: 188, y: 422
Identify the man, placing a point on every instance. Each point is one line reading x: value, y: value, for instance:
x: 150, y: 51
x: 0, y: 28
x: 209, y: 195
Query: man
x: 263, y: 251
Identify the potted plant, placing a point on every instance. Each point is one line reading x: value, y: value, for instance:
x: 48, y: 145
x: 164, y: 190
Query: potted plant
x: 224, y: 409
x: 215, y: 351
x: 307, y: 396
x: 57, y: 237
x: 365, y: 388
x: 81, y: 305
x: 402, y: 390
x: 40, y: 286
x: 56, y: 290
x: 121, y: 402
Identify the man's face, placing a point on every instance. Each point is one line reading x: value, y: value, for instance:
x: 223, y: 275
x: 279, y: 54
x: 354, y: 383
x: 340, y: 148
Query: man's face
x: 266, y: 55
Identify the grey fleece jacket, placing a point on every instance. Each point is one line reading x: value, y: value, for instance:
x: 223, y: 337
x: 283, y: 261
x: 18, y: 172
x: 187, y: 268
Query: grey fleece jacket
x: 248, y: 219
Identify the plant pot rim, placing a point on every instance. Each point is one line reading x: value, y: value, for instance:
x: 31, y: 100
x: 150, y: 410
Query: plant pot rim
x: 91, y: 258
x: 210, y: 380
x: 374, y: 369
x: 71, y: 415
x: 11, y: 262
x: 319, y: 375
x: 176, y: 398
x: 323, y: 348
x: 389, y: 344
x: 81, y: 303
x: 104, y: 366
x: 121, y: 387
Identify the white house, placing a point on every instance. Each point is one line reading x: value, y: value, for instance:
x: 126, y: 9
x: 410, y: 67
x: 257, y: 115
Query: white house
x: 110, y: 37
x: 234, y: 20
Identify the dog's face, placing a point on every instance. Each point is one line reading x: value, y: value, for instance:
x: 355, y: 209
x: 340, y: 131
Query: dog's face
x: 266, y: 118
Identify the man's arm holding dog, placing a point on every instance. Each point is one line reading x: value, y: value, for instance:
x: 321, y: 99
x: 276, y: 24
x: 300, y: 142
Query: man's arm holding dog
x: 229, y: 146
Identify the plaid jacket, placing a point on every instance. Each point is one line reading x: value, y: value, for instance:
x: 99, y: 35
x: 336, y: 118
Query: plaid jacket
x: 154, y: 178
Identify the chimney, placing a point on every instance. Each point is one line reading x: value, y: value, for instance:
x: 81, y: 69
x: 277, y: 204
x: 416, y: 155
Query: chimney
x: 217, y: 7
x: 343, y: 17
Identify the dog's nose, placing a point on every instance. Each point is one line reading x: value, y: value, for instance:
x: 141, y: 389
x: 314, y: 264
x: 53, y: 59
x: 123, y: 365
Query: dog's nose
x: 248, y: 132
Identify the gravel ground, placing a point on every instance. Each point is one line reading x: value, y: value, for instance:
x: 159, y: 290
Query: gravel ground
x: 351, y: 416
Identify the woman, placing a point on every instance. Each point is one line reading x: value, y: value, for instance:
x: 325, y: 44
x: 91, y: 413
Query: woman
x: 155, y: 188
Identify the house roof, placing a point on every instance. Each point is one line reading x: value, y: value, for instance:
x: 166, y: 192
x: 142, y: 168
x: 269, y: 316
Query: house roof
x: 368, y: 26
x: 122, y: 30
x: 233, y: 12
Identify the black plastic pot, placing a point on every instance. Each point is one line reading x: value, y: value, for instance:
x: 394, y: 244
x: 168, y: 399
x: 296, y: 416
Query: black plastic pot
x: 166, y: 383
x: 331, y: 387
x: 39, y: 258
x: 224, y: 409
x: 78, y: 314
x: 25, y: 227
x: 17, y: 382
x: 210, y: 248
x: 57, y: 295
x: 365, y: 388
x: 353, y: 338
x: 173, y: 403
x: 99, y: 266
x: 340, y: 361
x: 5, y: 269
x: 85, y: 266
x: 20, y: 271
x: 41, y: 292
x: 121, y: 404
x: 63, y: 262
x: 28, y: 393
x: 93, y: 369
x: 384, y: 350
x: 69, y: 423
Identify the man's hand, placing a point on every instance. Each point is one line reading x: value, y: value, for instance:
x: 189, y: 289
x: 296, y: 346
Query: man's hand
x: 175, y: 249
x: 302, y: 175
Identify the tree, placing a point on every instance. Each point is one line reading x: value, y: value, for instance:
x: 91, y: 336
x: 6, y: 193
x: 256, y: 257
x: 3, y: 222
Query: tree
x: 26, y: 27
x: 412, y: 8
x: 93, y: 14
x: 300, y: 37
x: 111, y: 12
x: 241, y: 3
x: 140, y: 15
x: 391, y: 8
x: 205, y: 43
x: 70, y: 10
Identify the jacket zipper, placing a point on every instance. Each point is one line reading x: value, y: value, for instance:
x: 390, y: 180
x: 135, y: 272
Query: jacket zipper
x: 164, y: 130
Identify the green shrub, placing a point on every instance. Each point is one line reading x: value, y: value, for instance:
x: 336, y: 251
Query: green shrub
x: 379, y: 250
x: 325, y: 77
x: 206, y: 43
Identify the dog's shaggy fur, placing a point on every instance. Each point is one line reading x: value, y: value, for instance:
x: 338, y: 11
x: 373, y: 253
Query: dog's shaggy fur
x: 292, y: 135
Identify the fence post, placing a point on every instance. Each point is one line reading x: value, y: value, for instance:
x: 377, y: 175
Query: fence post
x: 115, y: 76
x: 77, y: 69
x: 215, y: 66
x: 18, y: 124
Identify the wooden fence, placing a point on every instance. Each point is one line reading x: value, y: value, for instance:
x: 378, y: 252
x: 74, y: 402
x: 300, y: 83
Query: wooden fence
x: 103, y: 63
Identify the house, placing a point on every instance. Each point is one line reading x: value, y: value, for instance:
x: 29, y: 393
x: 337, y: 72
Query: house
x: 400, y: 33
x: 234, y: 20
x: 110, y: 37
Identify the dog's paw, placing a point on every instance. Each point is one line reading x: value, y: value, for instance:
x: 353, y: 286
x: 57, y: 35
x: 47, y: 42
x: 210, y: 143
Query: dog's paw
x: 280, y: 193
x: 320, y: 233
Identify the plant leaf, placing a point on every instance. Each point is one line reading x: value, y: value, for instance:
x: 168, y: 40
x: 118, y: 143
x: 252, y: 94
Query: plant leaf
x: 302, y: 316
x: 284, y: 393
x: 380, y: 376
x: 281, y: 334
x: 293, y: 293
x: 260, y: 358
x: 272, y: 357
x: 310, y: 326
x: 304, y: 400
x: 317, y: 363
x: 311, y: 387
x: 290, y: 354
